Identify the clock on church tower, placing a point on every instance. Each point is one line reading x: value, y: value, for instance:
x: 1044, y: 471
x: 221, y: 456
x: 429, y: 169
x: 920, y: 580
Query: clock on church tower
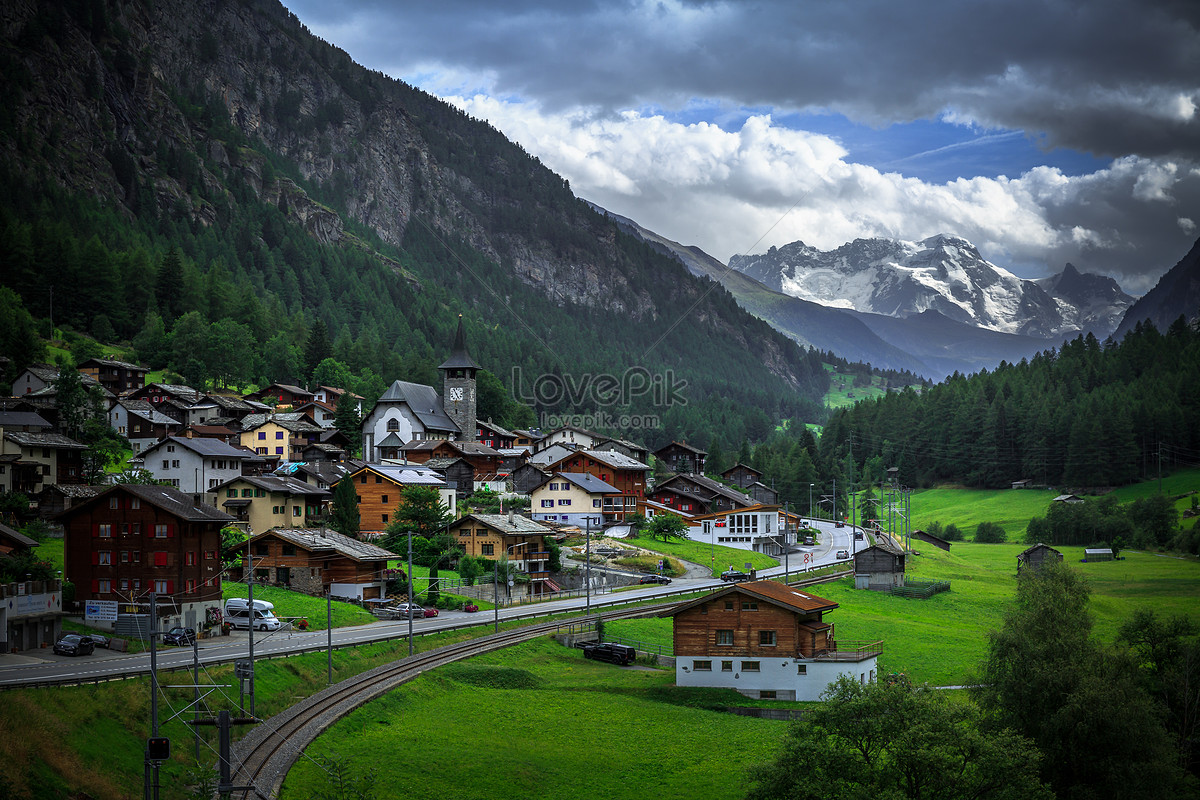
x: 458, y: 385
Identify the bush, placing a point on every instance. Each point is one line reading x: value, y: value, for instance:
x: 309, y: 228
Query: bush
x: 951, y: 533
x: 990, y: 533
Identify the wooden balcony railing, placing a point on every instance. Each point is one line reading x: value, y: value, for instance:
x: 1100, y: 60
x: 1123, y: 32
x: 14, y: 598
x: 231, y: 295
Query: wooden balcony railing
x: 849, y: 651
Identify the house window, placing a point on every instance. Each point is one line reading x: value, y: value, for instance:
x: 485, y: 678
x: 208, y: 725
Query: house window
x: 170, y: 448
x: 289, y: 550
x: 729, y: 605
x: 749, y: 666
x: 596, y: 503
x: 231, y: 492
x: 725, y: 638
x: 564, y: 502
x: 702, y: 666
x: 135, y: 528
x: 104, y: 558
x: 363, y: 479
x: 296, y: 511
x: 802, y: 669
x: 547, y: 504
x: 766, y: 638
x: 278, y: 434
x: 726, y: 666
x: 393, y: 425
x: 137, y: 557
x: 262, y: 549
x: 262, y: 434
x: 124, y: 556
x: 160, y: 587
x: 278, y: 451
x: 137, y: 584
x: 260, y: 493
x: 114, y: 502
x: 384, y: 517
x: 166, y: 464
x: 189, y: 558
x: 160, y: 531
x: 104, y: 586
x: 383, y: 498
x: 749, y: 605
x: 212, y: 482
x: 190, y: 586
x: 487, y: 549
x: 124, y: 584
x: 379, y: 479
x: 262, y: 451
x: 105, y: 530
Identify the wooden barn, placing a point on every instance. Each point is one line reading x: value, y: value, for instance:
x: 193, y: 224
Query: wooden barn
x: 879, y: 567
x: 1035, y: 556
x: 929, y: 538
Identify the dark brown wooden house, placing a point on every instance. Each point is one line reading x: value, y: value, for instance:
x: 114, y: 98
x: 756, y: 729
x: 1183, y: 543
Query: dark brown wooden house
x: 1035, y: 556
x: 131, y: 540
x: 319, y: 561
x: 682, y: 458
x: 116, y: 376
x: 741, y: 475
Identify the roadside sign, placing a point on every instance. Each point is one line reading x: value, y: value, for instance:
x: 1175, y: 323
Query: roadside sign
x: 241, y: 669
x: 100, y: 611
x: 807, y: 557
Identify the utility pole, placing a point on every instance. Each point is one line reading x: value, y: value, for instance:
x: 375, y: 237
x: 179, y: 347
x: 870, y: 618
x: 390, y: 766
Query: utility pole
x: 587, y: 521
x: 151, y: 787
x: 250, y: 611
x: 787, y: 548
x: 410, y: 596
x: 196, y: 692
x: 329, y: 636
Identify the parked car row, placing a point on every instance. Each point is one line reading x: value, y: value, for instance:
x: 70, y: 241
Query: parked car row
x: 404, y: 611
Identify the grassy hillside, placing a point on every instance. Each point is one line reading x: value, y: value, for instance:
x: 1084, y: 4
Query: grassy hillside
x: 942, y: 639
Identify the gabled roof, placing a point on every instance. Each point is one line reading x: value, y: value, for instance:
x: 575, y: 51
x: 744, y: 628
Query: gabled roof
x: 504, y: 523
x: 16, y: 536
x: 885, y: 545
x: 589, y: 483
x: 743, y: 510
x: 391, y: 440
x: 746, y: 467
x: 185, y: 393
x: 109, y: 362
x: 496, y: 429
x: 322, y: 541
x: 463, y: 448
x: 609, y: 458
x: 425, y: 403
x: 208, y: 448
x: 229, y: 403
x: 405, y: 474
x: 38, y: 439
x: 459, y: 358
x: 170, y: 500
x: 706, y: 484
x: 1038, y: 546
x: 280, y: 484
x: 682, y: 446
x: 22, y: 419
x: 772, y: 592
x: 152, y: 416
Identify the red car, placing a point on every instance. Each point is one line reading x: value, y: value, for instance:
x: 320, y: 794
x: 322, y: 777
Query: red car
x: 431, y: 612
x: 470, y: 607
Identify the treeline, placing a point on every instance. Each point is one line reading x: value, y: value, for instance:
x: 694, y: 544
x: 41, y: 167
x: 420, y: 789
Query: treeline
x: 1087, y: 416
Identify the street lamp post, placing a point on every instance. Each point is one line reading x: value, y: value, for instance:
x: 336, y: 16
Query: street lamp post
x: 588, y: 562
x: 507, y: 577
x: 810, y: 508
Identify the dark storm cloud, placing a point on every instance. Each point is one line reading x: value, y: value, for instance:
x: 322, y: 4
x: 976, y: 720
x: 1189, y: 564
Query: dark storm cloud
x: 1110, y: 77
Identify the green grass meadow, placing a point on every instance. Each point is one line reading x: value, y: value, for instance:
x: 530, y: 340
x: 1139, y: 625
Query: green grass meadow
x: 538, y: 720
x: 717, y: 557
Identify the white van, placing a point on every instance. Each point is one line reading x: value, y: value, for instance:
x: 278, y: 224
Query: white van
x: 237, y: 614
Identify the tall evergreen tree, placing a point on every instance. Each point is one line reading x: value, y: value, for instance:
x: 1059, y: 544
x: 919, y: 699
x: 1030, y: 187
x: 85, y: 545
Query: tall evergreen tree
x: 168, y: 286
x: 347, y: 421
x: 316, y: 348
x: 345, y: 518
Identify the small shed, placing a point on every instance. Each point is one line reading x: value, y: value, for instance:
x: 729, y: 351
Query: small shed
x: 1068, y: 498
x: 929, y: 538
x: 1098, y: 554
x: 879, y: 567
x: 1035, y: 556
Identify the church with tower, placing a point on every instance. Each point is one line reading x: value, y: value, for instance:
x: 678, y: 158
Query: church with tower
x: 409, y: 412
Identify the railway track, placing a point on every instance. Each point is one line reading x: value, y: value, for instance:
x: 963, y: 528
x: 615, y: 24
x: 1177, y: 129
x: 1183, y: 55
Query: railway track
x: 262, y: 759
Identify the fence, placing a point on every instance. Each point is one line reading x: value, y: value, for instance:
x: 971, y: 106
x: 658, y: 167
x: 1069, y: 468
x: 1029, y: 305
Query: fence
x: 921, y: 590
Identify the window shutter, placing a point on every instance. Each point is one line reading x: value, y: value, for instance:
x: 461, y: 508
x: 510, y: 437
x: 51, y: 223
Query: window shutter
x: 95, y: 586
x: 95, y: 529
x: 95, y: 558
x: 170, y: 530
x: 170, y: 587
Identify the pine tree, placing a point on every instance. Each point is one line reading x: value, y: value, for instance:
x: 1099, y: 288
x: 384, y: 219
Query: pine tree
x: 348, y: 422
x: 317, y: 348
x: 345, y: 519
x: 168, y: 287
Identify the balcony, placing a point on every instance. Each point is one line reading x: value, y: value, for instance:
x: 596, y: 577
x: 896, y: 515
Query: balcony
x: 848, y: 651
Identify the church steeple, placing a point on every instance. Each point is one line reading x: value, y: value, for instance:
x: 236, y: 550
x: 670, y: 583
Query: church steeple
x: 458, y: 384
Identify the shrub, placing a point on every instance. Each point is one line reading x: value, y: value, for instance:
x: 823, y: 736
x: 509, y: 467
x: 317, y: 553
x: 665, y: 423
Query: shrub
x: 951, y: 533
x: 990, y: 533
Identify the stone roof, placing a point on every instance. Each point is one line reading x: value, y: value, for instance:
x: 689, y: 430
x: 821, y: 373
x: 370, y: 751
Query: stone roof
x: 281, y: 484
x: 209, y: 448
x: 32, y: 439
x: 589, y: 483
x: 22, y: 419
x: 323, y: 540
x: 770, y: 591
x: 170, y: 500
x: 503, y: 523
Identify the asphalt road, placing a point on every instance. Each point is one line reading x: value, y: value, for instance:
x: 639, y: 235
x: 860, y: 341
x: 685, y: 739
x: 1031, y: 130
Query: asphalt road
x: 46, y: 667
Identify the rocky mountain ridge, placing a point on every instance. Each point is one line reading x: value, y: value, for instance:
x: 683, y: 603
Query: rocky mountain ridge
x: 943, y: 273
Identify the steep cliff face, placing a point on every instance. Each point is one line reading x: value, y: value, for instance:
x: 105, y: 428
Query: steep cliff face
x: 117, y: 96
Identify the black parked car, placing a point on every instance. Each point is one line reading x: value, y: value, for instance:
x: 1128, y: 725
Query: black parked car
x: 615, y: 653
x: 98, y: 640
x: 663, y: 579
x: 74, y: 645
x: 179, y: 636
x: 734, y: 575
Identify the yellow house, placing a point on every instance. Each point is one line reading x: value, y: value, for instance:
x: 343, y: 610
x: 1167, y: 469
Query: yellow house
x: 262, y: 502
x: 571, y: 498
x: 281, y: 436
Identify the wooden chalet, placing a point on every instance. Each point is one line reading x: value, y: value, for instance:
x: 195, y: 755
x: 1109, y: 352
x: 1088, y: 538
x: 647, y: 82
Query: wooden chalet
x: 698, y: 494
x: 282, y: 394
x: 528, y: 477
x: 493, y: 436
x: 457, y: 471
x: 519, y: 539
x: 483, y: 459
x: 682, y: 458
x: 135, y: 539
x: 318, y: 561
x: 929, y: 538
x: 625, y: 474
x: 741, y: 475
x: 115, y: 376
x: 879, y: 567
x: 765, y: 640
x: 379, y: 486
x: 32, y: 461
x: 1034, y: 557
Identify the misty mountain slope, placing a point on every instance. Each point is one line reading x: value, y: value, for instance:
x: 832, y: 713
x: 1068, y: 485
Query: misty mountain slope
x: 943, y: 273
x: 1176, y: 294
x: 191, y: 118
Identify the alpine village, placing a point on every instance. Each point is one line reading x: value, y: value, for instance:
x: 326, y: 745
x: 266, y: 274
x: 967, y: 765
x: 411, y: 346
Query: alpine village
x: 345, y: 452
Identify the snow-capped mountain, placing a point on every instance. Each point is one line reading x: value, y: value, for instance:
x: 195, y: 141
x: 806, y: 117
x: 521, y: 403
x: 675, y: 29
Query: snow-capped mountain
x: 1090, y: 303
x: 942, y: 273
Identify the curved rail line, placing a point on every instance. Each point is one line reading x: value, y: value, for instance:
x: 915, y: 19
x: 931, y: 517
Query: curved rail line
x: 264, y: 756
